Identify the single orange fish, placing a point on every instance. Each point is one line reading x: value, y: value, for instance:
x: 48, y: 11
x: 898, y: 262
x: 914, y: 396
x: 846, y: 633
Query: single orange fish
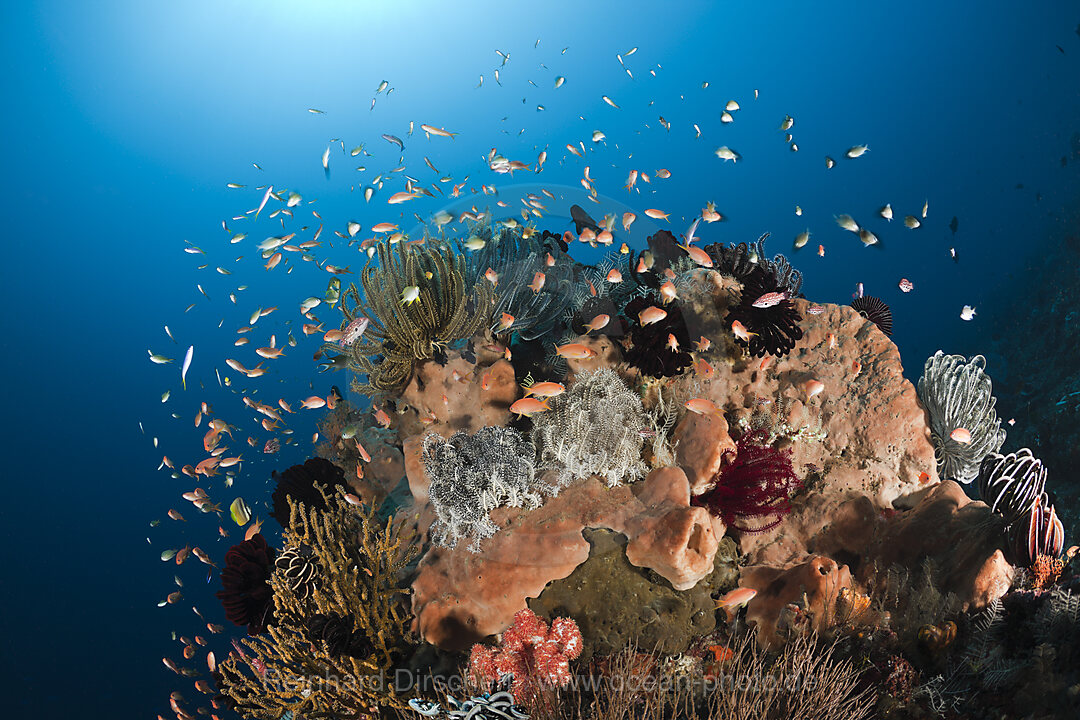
x: 668, y: 292
x: 545, y: 389
x: 741, y: 332
x: 537, y: 282
x: 702, y: 406
x: 961, y: 435
x: 576, y: 351
x: 698, y: 255
x: 598, y: 322
x: 732, y: 601
x: 529, y: 406
x: 651, y: 314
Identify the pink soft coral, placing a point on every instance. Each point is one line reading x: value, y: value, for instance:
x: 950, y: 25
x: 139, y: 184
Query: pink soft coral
x: 756, y: 485
x: 536, y: 655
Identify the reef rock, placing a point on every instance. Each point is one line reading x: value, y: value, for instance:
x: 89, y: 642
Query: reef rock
x: 799, y: 599
x: 449, y: 397
x: 703, y: 446
x: 865, y: 434
x: 616, y: 603
x: 960, y: 538
x: 460, y: 597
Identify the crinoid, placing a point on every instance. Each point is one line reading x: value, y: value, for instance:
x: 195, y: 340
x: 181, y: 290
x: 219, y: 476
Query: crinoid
x: 1011, y: 484
x: 471, y: 475
x: 957, y: 394
x: 1039, y: 532
x: 773, y: 327
x: 301, y: 484
x: 245, y: 588
x: 876, y: 311
x: 651, y: 349
x: 757, y: 484
x: 402, y: 331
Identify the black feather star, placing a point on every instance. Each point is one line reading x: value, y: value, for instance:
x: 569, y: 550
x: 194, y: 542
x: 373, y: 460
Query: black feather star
x: 299, y: 483
x: 876, y: 311
x: 649, y: 350
x: 774, y: 330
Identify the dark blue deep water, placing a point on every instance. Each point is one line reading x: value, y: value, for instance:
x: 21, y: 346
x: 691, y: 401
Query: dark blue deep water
x: 123, y: 122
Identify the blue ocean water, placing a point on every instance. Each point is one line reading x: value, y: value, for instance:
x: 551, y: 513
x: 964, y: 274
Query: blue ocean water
x: 125, y: 120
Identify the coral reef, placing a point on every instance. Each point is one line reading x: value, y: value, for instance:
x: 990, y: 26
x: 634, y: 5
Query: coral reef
x: 471, y: 475
x: 326, y: 654
x: 956, y: 393
x: 594, y: 428
x: 647, y: 612
x: 460, y: 597
x: 246, y: 594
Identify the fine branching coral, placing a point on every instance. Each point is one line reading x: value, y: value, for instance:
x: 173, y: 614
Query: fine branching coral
x: 757, y: 484
x: 417, y: 301
x: 301, y: 483
x: 773, y: 325
x: 595, y: 428
x: 805, y: 680
x: 956, y: 393
x: 471, y: 475
x: 651, y: 349
x: 246, y: 593
x: 876, y: 311
x: 328, y: 653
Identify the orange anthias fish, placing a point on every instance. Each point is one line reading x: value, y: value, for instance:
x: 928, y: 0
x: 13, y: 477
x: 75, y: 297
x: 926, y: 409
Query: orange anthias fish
x: 575, y: 351
x: 741, y: 332
x: 732, y: 601
x: 668, y: 292
x: 702, y: 406
x: 961, y: 435
x: 698, y: 255
x: 529, y: 406
x: 537, y: 282
x: 651, y: 314
x: 598, y: 322
x: 813, y: 387
x: 545, y: 389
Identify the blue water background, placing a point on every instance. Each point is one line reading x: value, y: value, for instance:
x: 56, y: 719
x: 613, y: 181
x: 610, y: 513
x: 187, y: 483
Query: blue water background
x: 124, y: 120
